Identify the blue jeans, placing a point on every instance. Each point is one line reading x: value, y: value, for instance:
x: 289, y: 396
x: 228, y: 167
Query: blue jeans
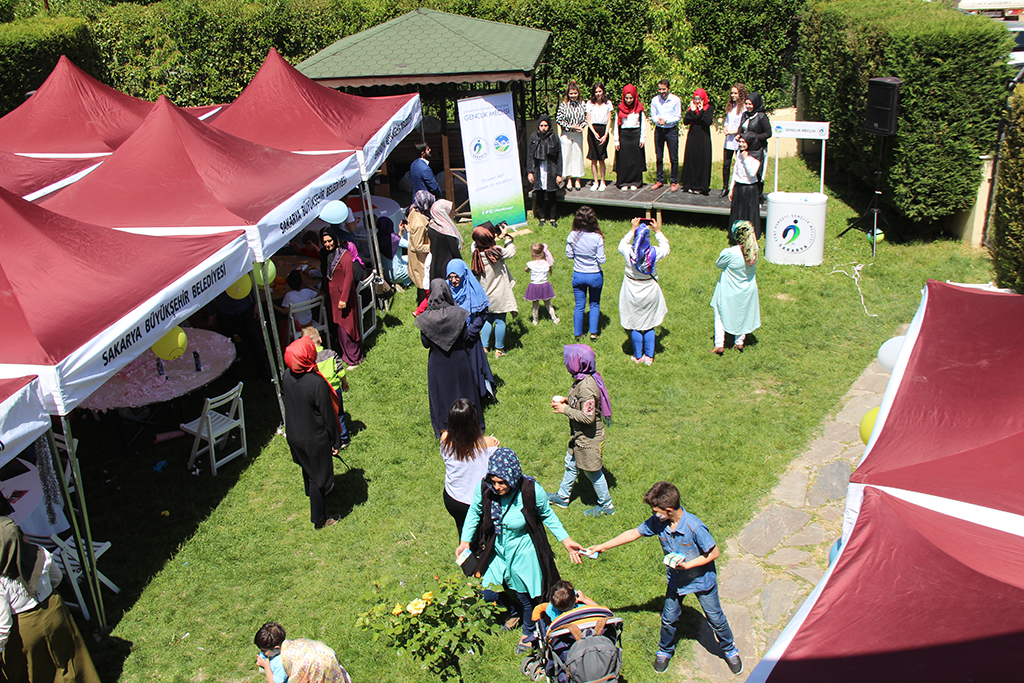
x: 712, y: 612
x: 497, y: 321
x: 643, y: 343
x: 525, y: 608
x: 581, y: 283
x: 604, y: 498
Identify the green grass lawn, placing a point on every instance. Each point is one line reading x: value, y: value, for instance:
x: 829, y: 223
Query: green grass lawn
x: 238, y: 550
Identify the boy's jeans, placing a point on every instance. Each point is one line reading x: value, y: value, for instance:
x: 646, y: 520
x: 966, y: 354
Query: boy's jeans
x: 712, y: 611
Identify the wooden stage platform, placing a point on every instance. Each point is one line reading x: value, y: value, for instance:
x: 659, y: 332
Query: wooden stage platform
x: 652, y: 201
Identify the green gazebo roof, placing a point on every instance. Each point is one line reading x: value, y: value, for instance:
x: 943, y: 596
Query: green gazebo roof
x: 427, y: 46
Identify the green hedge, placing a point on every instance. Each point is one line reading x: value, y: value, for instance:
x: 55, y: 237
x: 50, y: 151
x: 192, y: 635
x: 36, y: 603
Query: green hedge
x: 1008, y: 224
x: 954, y: 73
x: 29, y: 49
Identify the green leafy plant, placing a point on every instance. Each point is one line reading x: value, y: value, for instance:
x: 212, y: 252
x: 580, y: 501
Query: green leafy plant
x: 437, y: 628
x: 1008, y: 228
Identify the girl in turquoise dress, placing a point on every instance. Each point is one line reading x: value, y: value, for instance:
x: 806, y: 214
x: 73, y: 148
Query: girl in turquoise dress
x: 506, y: 522
x: 737, y: 308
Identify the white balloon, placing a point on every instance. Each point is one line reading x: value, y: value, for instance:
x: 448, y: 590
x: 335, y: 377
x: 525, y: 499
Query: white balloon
x: 889, y: 352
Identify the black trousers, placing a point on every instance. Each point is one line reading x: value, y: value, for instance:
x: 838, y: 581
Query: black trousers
x: 546, y: 203
x: 670, y: 137
x: 317, y: 503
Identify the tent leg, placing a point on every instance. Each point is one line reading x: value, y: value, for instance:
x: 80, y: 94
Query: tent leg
x: 86, y: 551
x: 372, y: 228
x: 275, y: 375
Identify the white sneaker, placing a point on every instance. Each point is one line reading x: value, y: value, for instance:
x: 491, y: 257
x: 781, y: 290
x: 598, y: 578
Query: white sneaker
x: 556, y: 320
x: 601, y: 189
x: 593, y: 186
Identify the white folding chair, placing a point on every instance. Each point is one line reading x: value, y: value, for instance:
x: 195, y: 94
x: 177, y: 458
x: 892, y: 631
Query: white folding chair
x: 67, y: 554
x: 367, y: 306
x: 213, y: 427
x: 316, y: 307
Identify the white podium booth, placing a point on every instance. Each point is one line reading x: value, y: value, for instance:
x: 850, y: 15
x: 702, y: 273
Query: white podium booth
x: 794, y: 232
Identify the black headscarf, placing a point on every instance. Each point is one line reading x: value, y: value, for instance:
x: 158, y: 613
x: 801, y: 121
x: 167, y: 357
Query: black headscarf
x: 442, y: 322
x: 329, y: 258
x: 19, y: 559
x: 755, y: 99
x: 548, y: 145
x: 753, y: 142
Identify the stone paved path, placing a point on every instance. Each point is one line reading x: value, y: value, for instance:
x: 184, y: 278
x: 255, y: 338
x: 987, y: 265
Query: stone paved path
x: 766, y: 572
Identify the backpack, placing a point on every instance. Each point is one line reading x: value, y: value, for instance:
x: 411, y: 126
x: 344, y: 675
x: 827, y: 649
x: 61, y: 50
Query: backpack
x: 593, y: 659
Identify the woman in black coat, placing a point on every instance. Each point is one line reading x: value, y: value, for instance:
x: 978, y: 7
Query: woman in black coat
x: 544, y: 169
x: 755, y: 122
x: 695, y: 175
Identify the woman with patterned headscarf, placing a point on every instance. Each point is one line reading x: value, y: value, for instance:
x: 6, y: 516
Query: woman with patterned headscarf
x: 505, y: 525
x: 39, y: 641
x: 419, y: 241
x: 311, y: 425
x: 630, y: 133
x: 491, y: 270
x: 695, y: 175
x: 735, y: 303
x: 642, y: 306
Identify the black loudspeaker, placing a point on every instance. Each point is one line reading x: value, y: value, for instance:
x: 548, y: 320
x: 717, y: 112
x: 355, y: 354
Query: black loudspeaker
x: 883, y: 110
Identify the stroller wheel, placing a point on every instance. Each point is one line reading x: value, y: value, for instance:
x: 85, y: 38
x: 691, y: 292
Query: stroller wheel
x: 538, y: 673
x: 527, y: 665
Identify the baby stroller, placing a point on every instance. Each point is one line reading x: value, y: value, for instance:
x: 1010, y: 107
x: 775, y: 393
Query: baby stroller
x: 583, y: 645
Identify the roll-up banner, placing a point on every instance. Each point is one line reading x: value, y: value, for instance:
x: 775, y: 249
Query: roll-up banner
x: 492, y: 159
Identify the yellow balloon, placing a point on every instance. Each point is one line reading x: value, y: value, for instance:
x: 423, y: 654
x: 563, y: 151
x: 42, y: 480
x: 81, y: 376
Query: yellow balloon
x: 171, y: 345
x: 271, y: 272
x: 240, y: 289
x: 867, y: 424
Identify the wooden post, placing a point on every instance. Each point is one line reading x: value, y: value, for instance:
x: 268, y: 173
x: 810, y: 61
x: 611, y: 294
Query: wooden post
x: 449, y: 180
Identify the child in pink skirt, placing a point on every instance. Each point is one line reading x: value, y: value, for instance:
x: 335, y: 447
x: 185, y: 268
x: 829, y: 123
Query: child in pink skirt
x: 540, y: 290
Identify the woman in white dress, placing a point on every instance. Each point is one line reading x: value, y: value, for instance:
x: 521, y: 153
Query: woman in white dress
x: 571, y: 117
x: 641, y: 304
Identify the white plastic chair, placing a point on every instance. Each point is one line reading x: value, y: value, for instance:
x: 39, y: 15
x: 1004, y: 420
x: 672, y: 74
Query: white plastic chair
x: 67, y: 555
x: 213, y: 427
x: 319, y: 311
x: 367, y: 306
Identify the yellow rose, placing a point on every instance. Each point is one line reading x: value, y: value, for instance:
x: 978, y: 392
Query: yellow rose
x: 428, y: 597
x: 416, y: 607
x: 397, y: 610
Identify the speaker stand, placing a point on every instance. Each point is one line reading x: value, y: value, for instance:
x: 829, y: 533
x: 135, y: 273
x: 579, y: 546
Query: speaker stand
x: 874, y: 208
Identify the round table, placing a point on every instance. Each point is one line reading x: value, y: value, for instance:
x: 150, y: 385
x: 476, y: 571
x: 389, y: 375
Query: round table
x: 138, y: 383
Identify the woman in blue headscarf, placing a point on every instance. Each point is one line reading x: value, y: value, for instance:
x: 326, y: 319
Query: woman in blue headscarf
x: 469, y: 294
x: 641, y: 304
x: 506, y: 523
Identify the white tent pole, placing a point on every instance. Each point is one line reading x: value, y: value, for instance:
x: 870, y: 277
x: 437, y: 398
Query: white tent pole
x: 86, y: 550
x: 372, y: 228
x: 821, y: 184
x: 776, y: 164
x: 265, y: 271
x: 275, y: 376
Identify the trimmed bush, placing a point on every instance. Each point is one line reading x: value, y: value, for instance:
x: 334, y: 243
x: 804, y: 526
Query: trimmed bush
x: 1008, y: 225
x: 954, y: 72
x: 29, y: 50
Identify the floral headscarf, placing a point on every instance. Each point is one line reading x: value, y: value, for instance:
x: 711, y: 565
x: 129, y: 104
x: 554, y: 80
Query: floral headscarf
x: 642, y: 255
x: 580, y: 361
x: 504, y: 464
x: 422, y: 201
x: 743, y: 233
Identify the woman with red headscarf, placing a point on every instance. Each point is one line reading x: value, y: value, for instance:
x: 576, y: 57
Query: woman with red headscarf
x: 695, y: 176
x: 630, y: 133
x: 311, y: 424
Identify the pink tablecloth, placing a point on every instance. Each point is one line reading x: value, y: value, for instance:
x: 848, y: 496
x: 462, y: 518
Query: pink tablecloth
x: 138, y: 383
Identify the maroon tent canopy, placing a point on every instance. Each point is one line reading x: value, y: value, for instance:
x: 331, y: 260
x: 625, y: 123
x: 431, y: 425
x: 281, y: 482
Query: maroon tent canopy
x: 27, y: 175
x: 177, y: 173
x: 73, y: 114
x: 916, y: 595
x: 78, y: 301
x: 929, y: 584
x: 282, y: 108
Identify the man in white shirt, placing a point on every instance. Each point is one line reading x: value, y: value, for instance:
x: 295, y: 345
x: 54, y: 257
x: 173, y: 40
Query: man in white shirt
x: 666, y: 110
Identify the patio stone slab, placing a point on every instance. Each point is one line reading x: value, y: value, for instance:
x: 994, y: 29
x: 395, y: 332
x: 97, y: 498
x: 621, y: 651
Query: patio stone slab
x: 778, y: 599
x: 740, y: 580
x: 822, y: 450
x: 792, y: 488
x: 770, y: 527
x: 811, y: 573
x: 843, y: 432
x: 789, y: 557
x: 812, y: 534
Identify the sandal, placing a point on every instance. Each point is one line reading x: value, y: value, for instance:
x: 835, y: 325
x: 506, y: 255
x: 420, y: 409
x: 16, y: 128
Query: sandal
x: 510, y: 624
x: 525, y: 645
x: 498, y: 353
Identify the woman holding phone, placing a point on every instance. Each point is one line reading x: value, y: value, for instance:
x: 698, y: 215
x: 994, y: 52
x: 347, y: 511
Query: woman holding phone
x: 642, y: 305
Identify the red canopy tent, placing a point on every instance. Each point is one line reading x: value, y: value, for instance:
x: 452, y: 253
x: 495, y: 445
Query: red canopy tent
x: 22, y: 416
x: 929, y: 584
x: 74, y: 115
x: 80, y: 301
x: 177, y: 175
x: 32, y: 178
x: 282, y: 108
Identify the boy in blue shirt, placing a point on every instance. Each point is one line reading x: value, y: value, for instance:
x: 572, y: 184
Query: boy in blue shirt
x: 268, y: 639
x: 690, y: 553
